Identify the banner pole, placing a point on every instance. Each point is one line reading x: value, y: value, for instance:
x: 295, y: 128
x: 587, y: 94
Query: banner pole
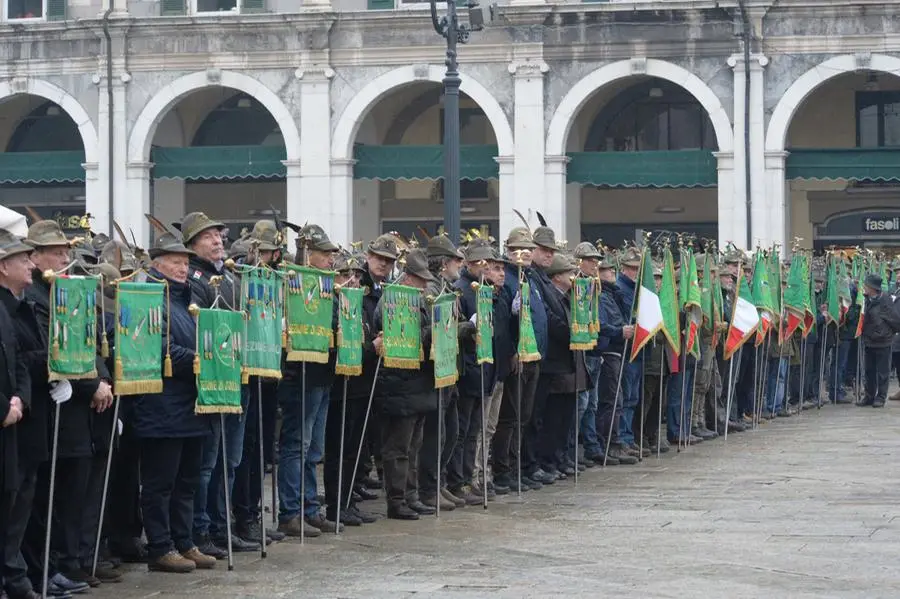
x: 53, y: 456
x: 304, y: 442
x: 340, y: 480
x: 109, y: 454
x: 262, y: 469
x: 362, y: 438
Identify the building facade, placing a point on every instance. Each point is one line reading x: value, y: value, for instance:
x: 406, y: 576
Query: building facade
x: 607, y: 118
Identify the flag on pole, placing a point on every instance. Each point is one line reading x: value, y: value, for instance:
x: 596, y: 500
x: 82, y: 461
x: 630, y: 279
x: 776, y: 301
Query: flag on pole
x: 718, y: 309
x: 744, y: 317
x: 794, y: 299
x: 707, y: 304
x: 668, y: 302
x: 809, y: 314
x: 649, y: 310
x: 861, y: 302
x: 762, y: 297
x: 832, y: 301
x: 692, y: 301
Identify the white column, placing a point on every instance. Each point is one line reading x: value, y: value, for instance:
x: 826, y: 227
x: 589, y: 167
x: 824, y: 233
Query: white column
x: 737, y: 226
x: 529, y: 142
x: 776, y: 191
x: 555, y: 193
x: 138, y: 185
x: 507, y: 202
x: 125, y: 211
x: 93, y: 197
x: 762, y: 234
x: 294, y: 200
x: 366, y: 213
x: 728, y: 230
x: 97, y: 194
x: 314, y: 199
x: 342, y: 199
x: 572, y: 231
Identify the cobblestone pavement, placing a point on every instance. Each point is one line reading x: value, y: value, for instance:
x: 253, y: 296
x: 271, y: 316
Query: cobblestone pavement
x: 804, y: 507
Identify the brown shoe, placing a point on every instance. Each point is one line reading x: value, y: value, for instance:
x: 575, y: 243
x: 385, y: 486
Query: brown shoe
x: 895, y: 396
x: 201, y: 560
x: 293, y: 526
x: 171, y: 562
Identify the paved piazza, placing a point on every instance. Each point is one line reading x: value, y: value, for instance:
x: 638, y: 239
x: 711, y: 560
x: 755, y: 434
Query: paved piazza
x: 807, y: 506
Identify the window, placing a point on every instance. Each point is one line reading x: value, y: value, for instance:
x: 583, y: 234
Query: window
x: 208, y: 7
x: 877, y: 119
x: 213, y: 6
x: 34, y: 10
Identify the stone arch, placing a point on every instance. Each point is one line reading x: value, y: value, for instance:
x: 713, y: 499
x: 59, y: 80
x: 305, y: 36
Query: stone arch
x: 158, y: 106
x: 68, y: 103
x: 353, y: 115
x: 780, y: 122
x: 581, y: 92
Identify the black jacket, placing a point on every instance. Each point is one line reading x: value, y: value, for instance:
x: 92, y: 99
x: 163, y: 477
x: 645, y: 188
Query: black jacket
x: 402, y: 392
x: 170, y: 414
x: 360, y: 386
x: 14, y: 381
x: 76, y: 415
x: 880, y: 321
x: 559, y: 359
x: 204, y: 294
x: 469, y: 380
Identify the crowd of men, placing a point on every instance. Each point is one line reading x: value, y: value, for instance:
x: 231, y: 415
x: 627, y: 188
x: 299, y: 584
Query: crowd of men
x: 539, y: 421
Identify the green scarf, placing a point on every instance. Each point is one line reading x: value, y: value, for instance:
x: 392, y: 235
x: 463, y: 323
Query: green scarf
x: 309, y: 312
x: 402, y: 326
x: 140, y: 312
x: 218, y: 360
x: 350, y: 332
x: 261, y: 302
x: 444, y: 341
x: 582, y: 335
x: 73, y: 328
x: 484, y: 330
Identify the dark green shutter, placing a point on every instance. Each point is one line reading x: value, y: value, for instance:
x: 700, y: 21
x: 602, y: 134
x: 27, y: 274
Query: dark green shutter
x: 251, y: 6
x: 172, y: 7
x: 56, y: 10
x: 381, y: 4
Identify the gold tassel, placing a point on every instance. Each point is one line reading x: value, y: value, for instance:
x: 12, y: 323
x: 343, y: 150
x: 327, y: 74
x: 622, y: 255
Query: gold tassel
x: 284, y: 339
x: 245, y: 376
x: 119, y: 374
x: 104, y: 347
x: 167, y: 366
x: 196, y: 363
x: 56, y: 350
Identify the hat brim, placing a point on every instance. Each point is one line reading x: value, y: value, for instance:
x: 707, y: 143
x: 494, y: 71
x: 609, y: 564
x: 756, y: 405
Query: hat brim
x: 325, y: 246
x: 265, y: 246
x: 384, y: 254
x: 422, y: 274
x: 521, y: 245
x: 589, y: 257
x: 210, y: 225
x: 553, y: 273
x: 54, y: 244
x: 632, y: 263
x: 157, y: 252
x: 546, y: 246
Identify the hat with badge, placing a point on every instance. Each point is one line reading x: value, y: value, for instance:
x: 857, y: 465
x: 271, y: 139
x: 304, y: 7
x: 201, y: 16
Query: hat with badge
x: 239, y: 249
x: 417, y: 264
x: 586, y: 249
x: 167, y: 243
x: 384, y: 246
x: 481, y: 249
x: 195, y: 223
x: 316, y: 239
x: 345, y: 262
x: 520, y: 238
x: 266, y: 236
x: 120, y: 255
x: 560, y: 264
x: 441, y: 246
x: 733, y: 256
x: 630, y: 257
x: 46, y: 233
x: 545, y: 238
x: 11, y: 245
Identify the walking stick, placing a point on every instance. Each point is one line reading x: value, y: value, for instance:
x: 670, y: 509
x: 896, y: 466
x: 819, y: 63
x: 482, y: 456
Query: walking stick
x: 659, y: 430
x: 681, y: 437
x: 859, y: 362
x: 729, y: 392
x: 484, y: 448
x: 519, y: 366
x: 643, y: 417
x: 340, y: 481
x: 802, y: 375
x: 53, y: 456
x: 612, y: 421
x: 262, y: 469
x: 756, y: 383
x: 822, y: 354
x: 227, y: 494
x: 440, y: 425
x: 304, y: 444
x: 109, y: 454
x: 362, y: 439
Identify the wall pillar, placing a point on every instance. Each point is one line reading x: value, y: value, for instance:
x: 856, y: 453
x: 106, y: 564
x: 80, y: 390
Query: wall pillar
x: 528, y: 127
x: 137, y: 183
x: 93, y: 197
x: 762, y: 233
x: 342, y: 199
x: 556, y: 193
x: 776, y: 191
x: 729, y: 230
x: 737, y: 225
x: 507, y: 201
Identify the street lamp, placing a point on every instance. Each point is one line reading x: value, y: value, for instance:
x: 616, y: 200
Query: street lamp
x: 455, y: 33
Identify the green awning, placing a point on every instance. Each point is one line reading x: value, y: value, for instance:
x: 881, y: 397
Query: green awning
x: 674, y: 168
x: 849, y: 164
x: 217, y: 163
x: 392, y: 163
x: 42, y: 167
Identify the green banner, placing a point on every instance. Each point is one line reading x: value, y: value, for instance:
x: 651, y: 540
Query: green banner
x: 73, y: 328
x: 444, y: 341
x: 582, y: 336
x: 402, y: 326
x: 308, y: 312
x: 218, y: 361
x: 528, y: 351
x: 350, y: 332
x: 139, y: 337
x: 484, y: 325
x: 261, y: 305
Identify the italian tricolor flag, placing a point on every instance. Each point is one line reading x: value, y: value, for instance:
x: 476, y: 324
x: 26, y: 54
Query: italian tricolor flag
x: 861, y: 302
x: 649, y: 311
x: 744, y: 318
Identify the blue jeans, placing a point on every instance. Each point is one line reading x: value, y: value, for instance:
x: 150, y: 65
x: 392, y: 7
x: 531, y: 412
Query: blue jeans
x: 675, y: 415
x: 775, y: 394
x: 843, y: 350
x: 589, y: 397
x: 302, y: 444
x: 209, y: 498
x: 631, y: 397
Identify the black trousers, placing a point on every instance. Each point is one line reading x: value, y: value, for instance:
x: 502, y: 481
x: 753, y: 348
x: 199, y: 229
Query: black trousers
x: 515, y: 407
x: 559, y: 416
x: 878, y: 373
x: 73, y: 477
x: 123, y: 511
x: 535, y: 428
x: 609, y: 404
x: 247, y: 489
x: 398, y: 444
x: 91, y: 516
x: 14, y: 515
x: 448, y: 417
x: 170, y: 473
x: 353, y: 432
x: 462, y: 459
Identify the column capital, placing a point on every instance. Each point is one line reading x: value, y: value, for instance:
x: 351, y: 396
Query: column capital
x: 776, y: 159
x: 91, y: 170
x: 757, y: 61
x: 342, y: 167
x: 292, y: 166
x: 528, y: 68
x: 506, y: 163
x: 314, y: 73
x: 556, y: 164
x: 138, y: 170
x: 725, y: 160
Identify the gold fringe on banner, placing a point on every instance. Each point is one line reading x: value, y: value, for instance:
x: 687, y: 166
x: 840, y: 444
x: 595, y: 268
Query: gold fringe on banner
x: 57, y: 376
x: 307, y: 356
x: 343, y: 369
x: 529, y: 357
x: 485, y: 361
x: 119, y: 370
x: 445, y: 381
x: 196, y: 364
x: 404, y: 363
x: 582, y: 346
x: 269, y: 373
x: 138, y: 387
x: 284, y: 339
x: 217, y: 410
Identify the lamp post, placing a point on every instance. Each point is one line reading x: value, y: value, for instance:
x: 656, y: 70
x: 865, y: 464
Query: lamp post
x: 455, y: 33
